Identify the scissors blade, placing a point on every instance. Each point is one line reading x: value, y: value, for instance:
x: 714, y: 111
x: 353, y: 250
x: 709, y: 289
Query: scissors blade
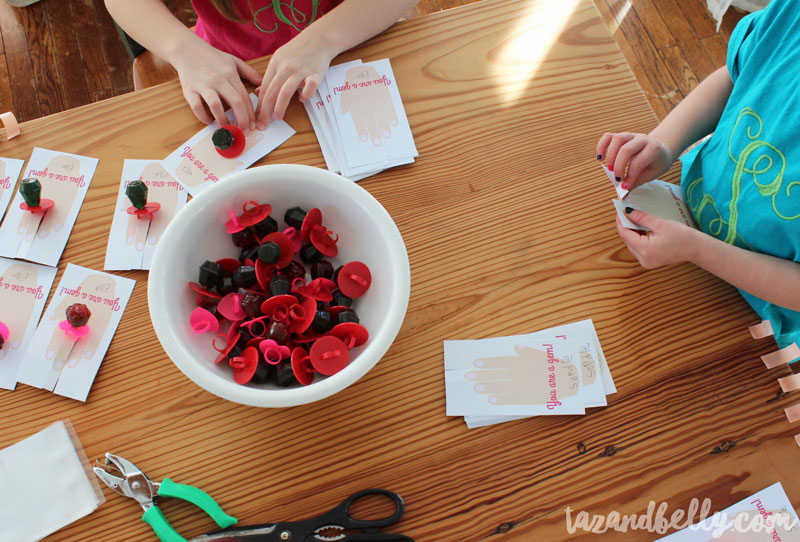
x: 256, y: 533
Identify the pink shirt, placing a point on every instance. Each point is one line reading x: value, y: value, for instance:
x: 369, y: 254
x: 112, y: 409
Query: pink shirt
x: 263, y: 30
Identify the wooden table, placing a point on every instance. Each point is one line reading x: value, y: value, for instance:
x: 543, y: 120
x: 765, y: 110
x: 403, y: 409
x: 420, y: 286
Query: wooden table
x: 509, y: 228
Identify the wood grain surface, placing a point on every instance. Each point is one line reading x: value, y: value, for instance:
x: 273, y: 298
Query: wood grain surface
x: 509, y: 228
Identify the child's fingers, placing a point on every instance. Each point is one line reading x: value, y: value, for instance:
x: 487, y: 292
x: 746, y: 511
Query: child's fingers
x: 198, y: 108
x: 284, y: 95
x: 626, y: 153
x: 639, y: 169
x: 613, y: 148
x: 236, y: 97
x: 310, y: 85
x: 247, y: 72
x: 602, y: 144
x: 215, y: 106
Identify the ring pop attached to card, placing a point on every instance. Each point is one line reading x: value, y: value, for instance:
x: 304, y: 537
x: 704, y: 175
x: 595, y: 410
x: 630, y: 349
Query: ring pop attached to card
x: 4, y: 334
x: 137, y: 193
x: 229, y: 141
x: 31, y: 191
x: 76, y: 324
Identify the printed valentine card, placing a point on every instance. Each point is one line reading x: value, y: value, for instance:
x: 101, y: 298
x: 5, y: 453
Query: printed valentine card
x: 10, y: 168
x: 196, y: 164
x: 24, y: 288
x: 133, y: 237
x: 534, y: 374
x: 595, y: 375
x: 368, y: 116
x: 41, y: 237
x: 657, y: 198
x: 65, y: 358
x: 766, y: 516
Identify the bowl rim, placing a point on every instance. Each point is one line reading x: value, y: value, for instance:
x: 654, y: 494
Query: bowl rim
x: 228, y: 389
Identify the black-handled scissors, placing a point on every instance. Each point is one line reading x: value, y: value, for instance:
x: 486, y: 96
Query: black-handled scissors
x: 332, y: 526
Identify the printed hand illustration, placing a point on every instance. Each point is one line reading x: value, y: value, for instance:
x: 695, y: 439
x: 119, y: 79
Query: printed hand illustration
x: 93, y: 285
x: 523, y: 379
x: 138, y: 231
x: 16, y: 307
x: 61, y: 192
x: 370, y: 107
x: 166, y: 195
x: 204, y: 151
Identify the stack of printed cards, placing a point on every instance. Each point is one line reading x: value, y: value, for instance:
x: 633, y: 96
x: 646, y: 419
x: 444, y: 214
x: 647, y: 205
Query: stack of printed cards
x: 561, y: 370
x: 657, y: 198
x: 360, y: 121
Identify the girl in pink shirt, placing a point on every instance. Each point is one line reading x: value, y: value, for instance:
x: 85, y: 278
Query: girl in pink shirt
x: 303, y: 36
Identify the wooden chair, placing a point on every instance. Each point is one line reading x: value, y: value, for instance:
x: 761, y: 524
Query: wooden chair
x: 148, y: 69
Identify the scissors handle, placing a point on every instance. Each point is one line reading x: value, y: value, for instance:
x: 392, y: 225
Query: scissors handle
x: 348, y: 521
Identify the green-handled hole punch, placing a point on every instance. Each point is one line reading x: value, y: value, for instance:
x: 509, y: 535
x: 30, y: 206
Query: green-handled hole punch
x: 128, y: 480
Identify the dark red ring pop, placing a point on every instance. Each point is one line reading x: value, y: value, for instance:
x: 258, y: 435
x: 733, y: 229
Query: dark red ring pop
x: 229, y: 141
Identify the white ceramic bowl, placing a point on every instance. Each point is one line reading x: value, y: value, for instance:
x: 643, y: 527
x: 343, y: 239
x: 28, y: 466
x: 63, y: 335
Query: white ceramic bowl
x: 367, y: 233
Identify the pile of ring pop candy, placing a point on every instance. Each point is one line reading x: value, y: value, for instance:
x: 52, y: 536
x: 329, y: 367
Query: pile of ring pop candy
x: 272, y: 322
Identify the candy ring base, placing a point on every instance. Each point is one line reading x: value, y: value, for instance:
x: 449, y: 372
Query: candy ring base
x: 44, y: 206
x: 74, y: 332
x: 145, y: 212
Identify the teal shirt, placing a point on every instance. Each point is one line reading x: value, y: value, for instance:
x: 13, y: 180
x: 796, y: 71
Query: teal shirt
x: 743, y: 184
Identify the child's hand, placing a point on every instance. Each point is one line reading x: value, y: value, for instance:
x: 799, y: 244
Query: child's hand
x: 634, y: 158
x: 210, y: 77
x: 666, y: 243
x: 298, y: 65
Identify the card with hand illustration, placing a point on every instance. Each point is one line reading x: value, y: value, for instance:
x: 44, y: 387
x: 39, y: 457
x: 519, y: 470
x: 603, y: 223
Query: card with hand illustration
x: 360, y: 121
x: 10, y: 168
x: 596, y: 377
x: 132, y: 240
x: 61, y: 363
x: 65, y: 179
x: 765, y: 516
x: 24, y: 288
x: 534, y: 374
x: 196, y: 164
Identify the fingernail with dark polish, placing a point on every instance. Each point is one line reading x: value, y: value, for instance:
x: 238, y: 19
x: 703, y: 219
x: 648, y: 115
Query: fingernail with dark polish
x: 599, y: 156
x: 618, y: 179
x: 628, y: 210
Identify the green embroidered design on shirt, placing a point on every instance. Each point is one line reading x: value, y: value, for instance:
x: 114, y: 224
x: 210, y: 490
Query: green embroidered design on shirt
x: 295, y: 17
x: 765, y: 160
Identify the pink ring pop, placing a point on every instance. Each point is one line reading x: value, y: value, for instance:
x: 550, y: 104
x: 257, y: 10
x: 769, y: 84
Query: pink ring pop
x: 202, y: 321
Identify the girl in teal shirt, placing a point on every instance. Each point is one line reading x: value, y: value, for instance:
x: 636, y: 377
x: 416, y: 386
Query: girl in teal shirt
x: 743, y: 183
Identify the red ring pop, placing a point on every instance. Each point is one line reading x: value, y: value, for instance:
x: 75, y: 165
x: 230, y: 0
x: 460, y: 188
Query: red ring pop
x: 229, y: 141
x: 329, y: 355
x: 244, y: 366
x: 354, y: 279
x: 4, y: 334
